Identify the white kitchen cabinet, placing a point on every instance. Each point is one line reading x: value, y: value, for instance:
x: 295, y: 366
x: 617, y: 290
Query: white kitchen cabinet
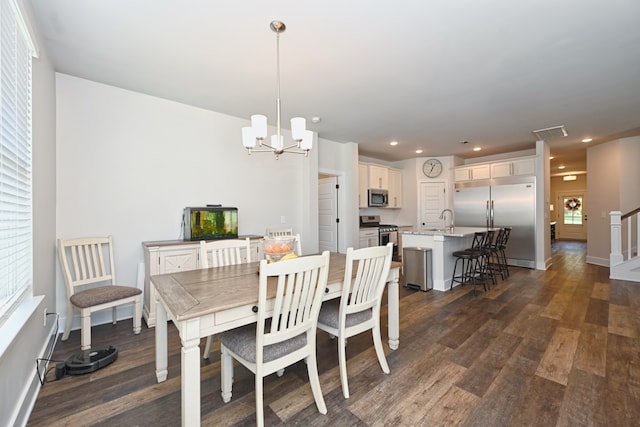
x: 395, y: 188
x: 521, y: 167
x: 363, y: 185
x: 471, y: 173
x: 378, y: 177
x: 368, y: 237
x: 174, y: 256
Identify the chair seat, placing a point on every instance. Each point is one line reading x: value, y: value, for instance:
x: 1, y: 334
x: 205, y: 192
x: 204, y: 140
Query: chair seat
x: 242, y: 341
x: 103, y: 294
x: 329, y: 315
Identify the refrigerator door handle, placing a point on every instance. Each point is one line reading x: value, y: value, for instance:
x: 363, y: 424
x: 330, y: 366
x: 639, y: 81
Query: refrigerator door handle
x: 487, y: 214
x: 492, y: 214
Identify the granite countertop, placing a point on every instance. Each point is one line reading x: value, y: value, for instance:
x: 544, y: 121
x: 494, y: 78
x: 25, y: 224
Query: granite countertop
x: 456, y: 232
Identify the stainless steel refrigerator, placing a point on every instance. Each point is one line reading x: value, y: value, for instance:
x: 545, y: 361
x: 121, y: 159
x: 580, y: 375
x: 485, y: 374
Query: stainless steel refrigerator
x: 503, y: 203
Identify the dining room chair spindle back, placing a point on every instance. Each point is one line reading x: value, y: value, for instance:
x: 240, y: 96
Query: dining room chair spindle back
x: 358, y: 309
x: 285, y: 332
x: 221, y: 253
x: 88, y: 268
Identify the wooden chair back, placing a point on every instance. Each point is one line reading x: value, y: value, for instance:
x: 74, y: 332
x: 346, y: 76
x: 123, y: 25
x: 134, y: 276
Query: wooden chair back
x: 365, y: 290
x: 86, y: 261
x: 279, y: 231
x: 301, y: 283
x: 220, y: 253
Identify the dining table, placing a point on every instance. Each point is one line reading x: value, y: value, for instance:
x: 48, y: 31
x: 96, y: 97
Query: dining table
x: 209, y: 301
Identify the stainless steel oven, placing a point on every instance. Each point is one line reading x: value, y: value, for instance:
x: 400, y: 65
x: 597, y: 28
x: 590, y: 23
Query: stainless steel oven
x: 389, y: 233
x: 386, y: 232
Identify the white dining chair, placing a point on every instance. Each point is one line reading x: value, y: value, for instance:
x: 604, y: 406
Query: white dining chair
x: 358, y: 309
x: 285, y: 331
x: 220, y: 253
x: 89, y: 272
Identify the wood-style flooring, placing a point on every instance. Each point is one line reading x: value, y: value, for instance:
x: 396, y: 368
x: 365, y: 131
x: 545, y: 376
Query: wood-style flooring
x: 543, y: 348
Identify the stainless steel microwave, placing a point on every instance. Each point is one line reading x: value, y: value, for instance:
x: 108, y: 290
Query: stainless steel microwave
x: 378, y: 198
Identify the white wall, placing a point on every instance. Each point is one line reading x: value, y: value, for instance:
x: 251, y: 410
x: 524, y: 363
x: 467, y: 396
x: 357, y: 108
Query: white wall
x: 341, y: 160
x: 630, y: 174
x: 128, y: 163
x: 613, y: 183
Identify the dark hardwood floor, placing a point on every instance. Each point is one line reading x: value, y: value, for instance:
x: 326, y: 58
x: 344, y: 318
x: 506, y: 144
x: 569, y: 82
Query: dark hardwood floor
x: 557, y: 347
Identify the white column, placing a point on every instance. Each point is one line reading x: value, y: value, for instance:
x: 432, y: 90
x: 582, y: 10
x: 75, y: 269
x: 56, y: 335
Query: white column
x: 616, y: 257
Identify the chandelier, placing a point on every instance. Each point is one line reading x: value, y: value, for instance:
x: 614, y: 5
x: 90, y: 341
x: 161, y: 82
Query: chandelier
x: 257, y: 133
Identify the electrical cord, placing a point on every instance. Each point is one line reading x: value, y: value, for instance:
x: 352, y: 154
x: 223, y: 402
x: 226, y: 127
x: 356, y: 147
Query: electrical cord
x: 42, y: 376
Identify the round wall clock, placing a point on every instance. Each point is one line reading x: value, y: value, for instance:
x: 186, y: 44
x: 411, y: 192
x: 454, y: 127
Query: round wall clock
x: 432, y: 168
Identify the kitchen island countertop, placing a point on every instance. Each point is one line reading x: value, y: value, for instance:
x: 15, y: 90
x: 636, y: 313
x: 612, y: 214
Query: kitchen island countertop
x: 455, y: 232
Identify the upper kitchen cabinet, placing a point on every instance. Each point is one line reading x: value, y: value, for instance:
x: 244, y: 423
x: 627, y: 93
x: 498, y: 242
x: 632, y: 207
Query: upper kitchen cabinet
x: 520, y: 167
x: 363, y: 185
x: 395, y: 188
x: 378, y: 177
x: 514, y: 167
x: 471, y: 173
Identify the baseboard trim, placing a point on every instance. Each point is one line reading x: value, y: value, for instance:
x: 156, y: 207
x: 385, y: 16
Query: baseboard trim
x: 30, y: 393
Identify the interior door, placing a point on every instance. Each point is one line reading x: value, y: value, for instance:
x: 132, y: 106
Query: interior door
x: 570, y: 215
x: 432, y: 202
x: 328, y: 214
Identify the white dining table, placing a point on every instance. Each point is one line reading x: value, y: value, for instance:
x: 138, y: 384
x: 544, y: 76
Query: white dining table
x: 209, y: 301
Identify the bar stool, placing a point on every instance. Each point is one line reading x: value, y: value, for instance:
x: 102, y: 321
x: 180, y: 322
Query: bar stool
x: 470, y: 258
x: 485, y: 271
x: 502, y: 246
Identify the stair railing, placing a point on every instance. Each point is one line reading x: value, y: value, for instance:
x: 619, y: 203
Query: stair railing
x: 630, y: 221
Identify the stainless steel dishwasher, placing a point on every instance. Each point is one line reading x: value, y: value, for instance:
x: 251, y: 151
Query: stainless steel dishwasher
x: 416, y: 268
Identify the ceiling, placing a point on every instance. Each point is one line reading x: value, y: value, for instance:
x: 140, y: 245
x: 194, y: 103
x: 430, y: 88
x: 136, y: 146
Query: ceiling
x: 427, y: 74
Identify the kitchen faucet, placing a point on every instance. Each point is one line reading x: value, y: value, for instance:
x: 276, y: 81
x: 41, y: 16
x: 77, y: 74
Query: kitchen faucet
x: 442, y: 216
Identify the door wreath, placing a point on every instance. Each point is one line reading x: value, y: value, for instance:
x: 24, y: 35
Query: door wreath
x: 573, y: 204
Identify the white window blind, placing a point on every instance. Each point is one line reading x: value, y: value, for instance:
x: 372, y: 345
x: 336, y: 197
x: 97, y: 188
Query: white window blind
x: 16, y: 274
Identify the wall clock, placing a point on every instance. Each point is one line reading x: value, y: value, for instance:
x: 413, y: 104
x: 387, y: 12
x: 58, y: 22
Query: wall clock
x: 432, y: 168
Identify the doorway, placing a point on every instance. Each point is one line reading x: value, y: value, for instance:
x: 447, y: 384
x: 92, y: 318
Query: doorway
x: 328, y: 213
x: 432, y: 203
x: 571, y: 216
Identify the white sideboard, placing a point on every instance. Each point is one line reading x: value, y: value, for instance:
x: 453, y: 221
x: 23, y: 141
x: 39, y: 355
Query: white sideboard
x: 170, y: 256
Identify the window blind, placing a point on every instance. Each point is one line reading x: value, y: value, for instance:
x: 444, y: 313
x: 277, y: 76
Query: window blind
x: 16, y: 272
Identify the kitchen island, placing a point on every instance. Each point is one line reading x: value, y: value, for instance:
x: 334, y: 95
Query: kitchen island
x: 443, y: 243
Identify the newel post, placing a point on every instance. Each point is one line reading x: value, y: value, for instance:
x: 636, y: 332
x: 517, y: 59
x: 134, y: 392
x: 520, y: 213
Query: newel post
x: 616, y: 257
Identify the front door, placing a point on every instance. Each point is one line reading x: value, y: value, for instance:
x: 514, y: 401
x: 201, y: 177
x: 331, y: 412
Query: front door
x: 570, y: 215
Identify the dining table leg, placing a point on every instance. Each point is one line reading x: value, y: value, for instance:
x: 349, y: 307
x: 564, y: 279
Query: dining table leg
x: 393, y: 301
x: 190, y: 379
x: 161, y: 342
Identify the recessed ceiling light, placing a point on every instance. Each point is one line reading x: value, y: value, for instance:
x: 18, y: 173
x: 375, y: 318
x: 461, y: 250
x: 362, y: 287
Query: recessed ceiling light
x: 587, y: 140
x: 561, y: 167
x: 316, y: 119
x: 551, y: 157
x: 418, y: 151
x: 477, y: 148
x: 393, y: 143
